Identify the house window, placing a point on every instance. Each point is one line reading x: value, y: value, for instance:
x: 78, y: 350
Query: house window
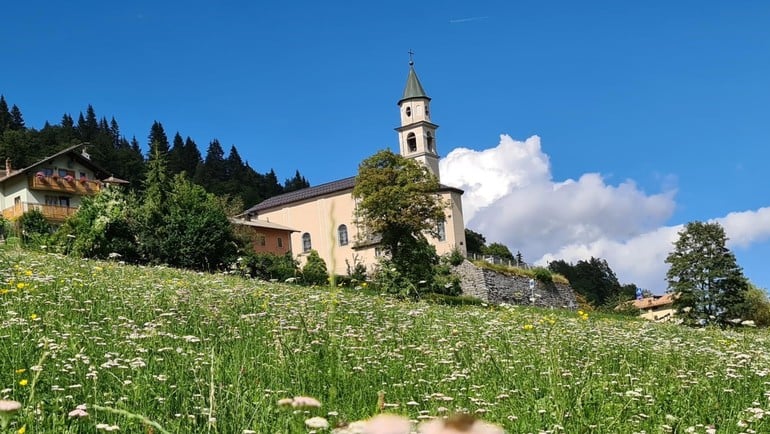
x: 280, y: 242
x: 260, y: 239
x: 306, y: 244
x: 342, y: 233
x: 411, y: 142
x: 441, y: 231
x: 83, y: 175
x: 57, y: 200
x: 47, y: 171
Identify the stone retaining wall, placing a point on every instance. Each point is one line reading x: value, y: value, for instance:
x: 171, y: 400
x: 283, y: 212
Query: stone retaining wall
x: 494, y: 287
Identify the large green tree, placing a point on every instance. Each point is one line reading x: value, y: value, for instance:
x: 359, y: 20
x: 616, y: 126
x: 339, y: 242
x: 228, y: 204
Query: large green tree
x: 704, y: 273
x: 398, y: 202
x: 475, y: 242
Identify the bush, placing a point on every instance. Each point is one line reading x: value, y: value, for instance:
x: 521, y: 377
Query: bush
x: 101, y: 227
x: 34, y: 228
x: 314, y: 272
x: 268, y: 266
x: 356, y: 273
x: 543, y: 275
x: 456, y: 257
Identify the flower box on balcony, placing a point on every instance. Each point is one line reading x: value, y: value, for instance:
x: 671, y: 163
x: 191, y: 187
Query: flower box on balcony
x: 69, y: 178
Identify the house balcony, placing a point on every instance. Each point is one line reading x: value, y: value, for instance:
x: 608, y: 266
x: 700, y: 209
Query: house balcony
x: 80, y: 187
x: 53, y: 213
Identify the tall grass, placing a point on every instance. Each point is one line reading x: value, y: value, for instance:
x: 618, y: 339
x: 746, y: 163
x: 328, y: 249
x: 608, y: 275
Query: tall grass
x: 162, y: 350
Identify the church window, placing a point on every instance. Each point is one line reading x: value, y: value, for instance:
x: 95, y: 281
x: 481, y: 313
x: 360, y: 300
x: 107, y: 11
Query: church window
x: 429, y: 141
x: 342, y: 233
x: 441, y: 231
x: 306, y: 245
x: 260, y: 239
x: 411, y: 142
x: 408, y: 111
x: 280, y: 242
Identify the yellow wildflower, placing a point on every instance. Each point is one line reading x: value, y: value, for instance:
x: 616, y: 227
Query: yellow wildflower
x: 23, y: 382
x: 22, y: 430
x: 528, y: 327
x: 21, y: 371
x: 33, y: 316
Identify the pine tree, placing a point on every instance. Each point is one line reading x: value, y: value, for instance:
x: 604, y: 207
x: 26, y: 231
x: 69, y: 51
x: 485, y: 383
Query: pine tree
x: 298, y: 182
x: 5, y: 116
x: 175, y: 155
x: 17, y: 120
x: 158, y: 139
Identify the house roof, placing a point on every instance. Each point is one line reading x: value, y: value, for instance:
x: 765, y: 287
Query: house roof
x: 413, y: 88
x: 654, y: 301
x: 313, y: 192
x: 261, y: 224
x: 71, y: 150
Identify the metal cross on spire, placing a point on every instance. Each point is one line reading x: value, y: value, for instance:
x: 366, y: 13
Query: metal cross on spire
x: 411, y: 57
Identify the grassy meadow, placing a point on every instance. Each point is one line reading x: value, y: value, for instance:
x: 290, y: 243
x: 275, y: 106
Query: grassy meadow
x: 152, y: 350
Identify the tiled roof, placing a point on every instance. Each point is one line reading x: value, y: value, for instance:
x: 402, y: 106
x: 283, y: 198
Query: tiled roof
x: 70, y: 150
x: 654, y: 301
x: 261, y: 224
x: 314, y: 192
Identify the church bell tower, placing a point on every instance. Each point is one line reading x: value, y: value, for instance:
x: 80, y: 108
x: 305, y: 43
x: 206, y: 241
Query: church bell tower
x: 417, y: 134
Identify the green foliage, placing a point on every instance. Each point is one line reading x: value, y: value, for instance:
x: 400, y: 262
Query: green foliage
x: 200, y: 341
x: 456, y: 257
x: 757, y: 306
x: 593, y: 279
x: 398, y: 200
x: 543, y: 274
x: 444, y: 282
x: 389, y: 280
x: 452, y: 300
x: 268, y: 266
x: 314, y: 272
x: 475, y: 243
x: 197, y: 230
x: 357, y: 272
x: 710, y: 285
x: 34, y: 227
x: 102, y: 227
x: 499, y: 250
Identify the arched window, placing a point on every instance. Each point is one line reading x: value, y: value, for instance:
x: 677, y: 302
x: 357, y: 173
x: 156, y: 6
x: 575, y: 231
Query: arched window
x: 441, y: 231
x: 411, y: 142
x: 408, y: 111
x: 342, y: 234
x: 306, y: 245
x: 429, y: 141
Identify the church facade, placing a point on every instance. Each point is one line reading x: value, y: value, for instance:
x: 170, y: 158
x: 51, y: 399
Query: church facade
x: 323, y: 215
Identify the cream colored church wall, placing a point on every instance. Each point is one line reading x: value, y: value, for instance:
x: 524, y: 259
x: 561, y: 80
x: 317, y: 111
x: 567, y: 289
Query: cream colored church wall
x: 321, y: 218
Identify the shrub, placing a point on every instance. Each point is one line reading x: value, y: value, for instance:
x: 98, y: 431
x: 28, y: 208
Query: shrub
x: 456, y: 257
x: 314, y: 272
x: 268, y: 266
x: 34, y: 227
x: 356, y: 273
x: 388, y: 280
x: 543, y: 275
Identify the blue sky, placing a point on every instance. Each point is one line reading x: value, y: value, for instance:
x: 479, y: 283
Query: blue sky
x: 576, y: 128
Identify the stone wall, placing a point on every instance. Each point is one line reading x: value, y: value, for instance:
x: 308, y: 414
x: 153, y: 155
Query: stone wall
x: 494, y: 287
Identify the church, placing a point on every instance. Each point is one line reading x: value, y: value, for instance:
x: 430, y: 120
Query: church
x: 321, y: 218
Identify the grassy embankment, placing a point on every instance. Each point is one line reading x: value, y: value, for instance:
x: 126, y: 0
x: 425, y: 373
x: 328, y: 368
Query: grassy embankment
x: 213, y: 353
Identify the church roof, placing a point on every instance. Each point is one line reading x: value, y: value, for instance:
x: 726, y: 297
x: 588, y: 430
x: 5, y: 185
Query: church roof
x: 413, y: 88
x: 314, y: 192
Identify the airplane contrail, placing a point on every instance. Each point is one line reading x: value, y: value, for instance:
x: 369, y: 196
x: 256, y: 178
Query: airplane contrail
x: 465, y: 20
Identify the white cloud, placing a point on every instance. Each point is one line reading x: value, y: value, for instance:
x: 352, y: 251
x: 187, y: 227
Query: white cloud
x: 510, y: 197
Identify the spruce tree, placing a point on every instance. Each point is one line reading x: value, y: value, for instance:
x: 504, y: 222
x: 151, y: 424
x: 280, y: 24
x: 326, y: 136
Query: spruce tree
x: 17, y: 120
x: 705, y: 276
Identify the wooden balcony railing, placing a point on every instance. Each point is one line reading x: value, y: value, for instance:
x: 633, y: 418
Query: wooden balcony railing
x: 80, y: 187
x: 54, y: 213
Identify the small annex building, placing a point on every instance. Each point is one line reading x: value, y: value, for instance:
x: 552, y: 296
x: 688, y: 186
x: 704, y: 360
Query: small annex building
x: 54, y: 185
x: 323, y: 215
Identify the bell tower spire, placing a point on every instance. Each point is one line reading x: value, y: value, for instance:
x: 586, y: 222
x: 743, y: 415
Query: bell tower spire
x: 417, y: 134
